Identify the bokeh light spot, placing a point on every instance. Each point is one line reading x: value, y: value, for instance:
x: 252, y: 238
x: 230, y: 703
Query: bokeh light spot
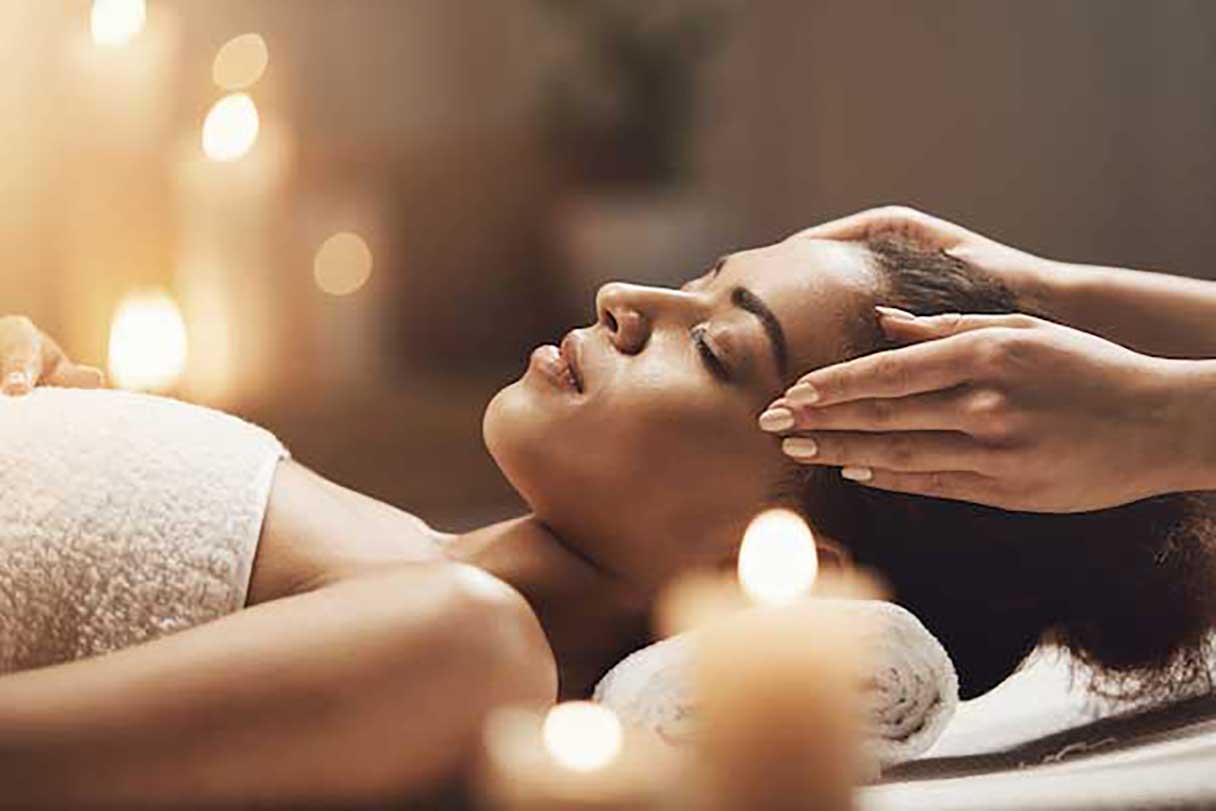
x: 231, y: 127
x: 147, y: 343
x: 114, y: 23
x: 343, y: 264
x: 240, y: 62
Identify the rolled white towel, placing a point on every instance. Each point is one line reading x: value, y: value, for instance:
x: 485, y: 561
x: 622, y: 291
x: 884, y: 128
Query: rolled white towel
x: 123, y: 518
x: 910, y: 689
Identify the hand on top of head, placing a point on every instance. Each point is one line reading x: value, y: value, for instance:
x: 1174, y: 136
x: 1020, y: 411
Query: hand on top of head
x: 29, y: 358
x: 1018, y: 270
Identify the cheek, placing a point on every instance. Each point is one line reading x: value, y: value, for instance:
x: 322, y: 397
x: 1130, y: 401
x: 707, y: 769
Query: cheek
x: 691, y: 447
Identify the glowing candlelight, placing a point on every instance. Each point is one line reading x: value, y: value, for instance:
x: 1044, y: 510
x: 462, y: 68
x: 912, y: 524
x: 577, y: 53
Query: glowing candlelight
x: 147, y: 343
x: 114, y: 23
x: 774, y: 681
x: 582, y: 736
x: 777, y: 560
x: 231, y: 128
x: 240, y: 62
x: 227, y: 221
x: 577, y: 756
x: 343, y: 264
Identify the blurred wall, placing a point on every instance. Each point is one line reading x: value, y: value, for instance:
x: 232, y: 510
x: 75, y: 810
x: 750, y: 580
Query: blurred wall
x: 1081, y: 129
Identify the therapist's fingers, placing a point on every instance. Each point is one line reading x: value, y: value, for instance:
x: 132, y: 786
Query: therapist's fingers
x: 911, y: 451
x: 957, y: 485
x: 901, y: 325
x: 21, y: 355
x: 909, y: 370
x: 946, y: 410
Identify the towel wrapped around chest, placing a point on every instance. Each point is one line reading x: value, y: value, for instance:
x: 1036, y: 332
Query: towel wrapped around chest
x: 123, y: 517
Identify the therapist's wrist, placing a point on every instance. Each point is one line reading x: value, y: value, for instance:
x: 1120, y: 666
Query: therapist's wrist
x: 1189, y: 388
x: 1046, y: 287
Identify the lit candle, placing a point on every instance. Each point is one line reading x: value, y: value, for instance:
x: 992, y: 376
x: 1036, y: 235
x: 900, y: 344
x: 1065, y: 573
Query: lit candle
x: 114, y: 111
x: 775, y: 682
x: 123, y: 66
x: 228, y: 206
x: 576, y: 757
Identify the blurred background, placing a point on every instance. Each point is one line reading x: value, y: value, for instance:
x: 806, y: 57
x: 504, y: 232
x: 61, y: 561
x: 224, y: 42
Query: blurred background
x: 351, y: 220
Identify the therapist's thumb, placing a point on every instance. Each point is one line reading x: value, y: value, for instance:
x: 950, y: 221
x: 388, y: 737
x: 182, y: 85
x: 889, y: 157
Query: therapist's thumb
x: 906, y: 327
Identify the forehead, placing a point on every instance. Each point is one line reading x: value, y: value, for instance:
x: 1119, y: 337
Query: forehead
x: 822, y: 292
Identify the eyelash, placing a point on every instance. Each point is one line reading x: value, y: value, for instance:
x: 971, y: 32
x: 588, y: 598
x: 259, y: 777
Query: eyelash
x: 716, y: 367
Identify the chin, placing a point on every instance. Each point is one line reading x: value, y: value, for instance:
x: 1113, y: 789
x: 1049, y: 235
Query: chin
x: 527, y: 443
x: 512, y: 429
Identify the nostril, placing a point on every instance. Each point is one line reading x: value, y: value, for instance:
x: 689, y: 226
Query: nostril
x: 610, y: 320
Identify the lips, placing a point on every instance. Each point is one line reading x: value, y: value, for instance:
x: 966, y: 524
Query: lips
x: 570, y: 349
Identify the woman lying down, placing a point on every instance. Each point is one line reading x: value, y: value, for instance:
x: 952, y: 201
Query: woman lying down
x: 285, y: 638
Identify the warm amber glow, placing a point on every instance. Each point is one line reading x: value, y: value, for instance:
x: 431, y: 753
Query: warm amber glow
x: 116, y: 22
x: 343, y: 264
x: 241, y: 62
x: 231, y: 127
x: 582, y: 736
x: 777, y: 561
x: 147, y: 343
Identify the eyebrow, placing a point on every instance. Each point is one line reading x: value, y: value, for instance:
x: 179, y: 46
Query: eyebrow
x: 745, y: 299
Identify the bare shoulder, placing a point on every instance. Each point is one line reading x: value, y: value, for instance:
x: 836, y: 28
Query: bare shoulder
x: 317, y: 532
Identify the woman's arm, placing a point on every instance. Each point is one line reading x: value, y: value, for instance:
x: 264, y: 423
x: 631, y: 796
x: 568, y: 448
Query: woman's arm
x: 371, y: 688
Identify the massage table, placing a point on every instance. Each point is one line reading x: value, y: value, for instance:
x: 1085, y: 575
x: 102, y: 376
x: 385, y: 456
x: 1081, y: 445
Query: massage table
x: 1039, y: 742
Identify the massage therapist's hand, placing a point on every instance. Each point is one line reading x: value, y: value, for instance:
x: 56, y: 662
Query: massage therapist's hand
x: 29, y: 358
x: 1027, y: 276
x: 1010, y: 411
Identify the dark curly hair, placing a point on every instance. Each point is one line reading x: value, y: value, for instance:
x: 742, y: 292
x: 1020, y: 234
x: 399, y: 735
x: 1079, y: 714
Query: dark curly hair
x: 1129, y: 590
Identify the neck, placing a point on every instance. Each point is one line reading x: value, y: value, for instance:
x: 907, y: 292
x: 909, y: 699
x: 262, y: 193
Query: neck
x: 591, y: 616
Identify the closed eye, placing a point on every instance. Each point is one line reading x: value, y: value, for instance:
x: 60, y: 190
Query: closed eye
x: 712, y: 362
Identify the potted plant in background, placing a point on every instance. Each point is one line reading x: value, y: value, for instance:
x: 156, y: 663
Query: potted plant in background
x: 620, y: 107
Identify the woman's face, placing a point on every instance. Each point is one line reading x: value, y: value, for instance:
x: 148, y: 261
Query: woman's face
x: 637, y: 442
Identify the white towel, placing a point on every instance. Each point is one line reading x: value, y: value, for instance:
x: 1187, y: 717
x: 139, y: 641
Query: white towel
x: 123, y: 517
x: 910, y: 691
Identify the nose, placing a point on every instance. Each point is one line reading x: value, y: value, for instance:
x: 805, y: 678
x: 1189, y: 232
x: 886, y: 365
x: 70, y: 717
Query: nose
x: 630, y: 312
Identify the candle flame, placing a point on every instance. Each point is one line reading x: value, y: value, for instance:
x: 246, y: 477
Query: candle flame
x: 343, y: 264
x: 582, y: 735
x: 240, y: 62
x: 147, y: 343
x: 231, y: 127
x: 114, y: 23
x: 777, y: 560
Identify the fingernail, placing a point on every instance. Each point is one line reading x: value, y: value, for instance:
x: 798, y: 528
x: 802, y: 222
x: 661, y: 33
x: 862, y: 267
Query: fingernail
x: 894, y: 313
x: 800, y: 447
x: 857, y: 474
x: 16, y: 383
x: 802, y: 394
x: 776, y: 419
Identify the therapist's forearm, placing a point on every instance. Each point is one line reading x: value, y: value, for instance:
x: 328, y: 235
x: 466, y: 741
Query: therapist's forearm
x: 1153, y: 313
x: 1192, y: 415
